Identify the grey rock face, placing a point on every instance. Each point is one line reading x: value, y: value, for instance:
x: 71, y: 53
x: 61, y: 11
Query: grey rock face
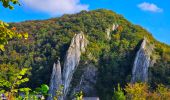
x: 108, y: 31
x: 91, y: 98
x: 141, y: 63
x: 72, y: 59
x: 114, y: 27
x: 55, y: 81
x: 88, y: 81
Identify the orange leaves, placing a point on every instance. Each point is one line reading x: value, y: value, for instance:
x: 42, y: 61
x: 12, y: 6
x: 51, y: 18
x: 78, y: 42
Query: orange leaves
x: 7, y: 34
x: 14, y: 28
x: 120, y: 28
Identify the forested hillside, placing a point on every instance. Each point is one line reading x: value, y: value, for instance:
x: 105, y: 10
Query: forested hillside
x: 112, y: 54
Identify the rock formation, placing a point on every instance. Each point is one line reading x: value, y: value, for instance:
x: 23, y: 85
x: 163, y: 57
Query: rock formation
x: 142, y: 63
x: 88, y: 81
x: 55, y: 81
x: 108, y: 31
x: 72, y: 59
x: 114, y: 27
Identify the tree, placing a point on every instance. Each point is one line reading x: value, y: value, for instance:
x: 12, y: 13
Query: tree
x: 7, y: 3
x: 162, y: 92
x: 10, y: 84
x: 43, y: 89
x: 79, y: 96
x: 7, y: 34
x: 141, y: 91
x: 137, y: 91
x: 118, y: 94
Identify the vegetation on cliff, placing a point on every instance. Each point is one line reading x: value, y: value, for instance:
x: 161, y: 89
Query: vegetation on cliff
x: 50, y: 39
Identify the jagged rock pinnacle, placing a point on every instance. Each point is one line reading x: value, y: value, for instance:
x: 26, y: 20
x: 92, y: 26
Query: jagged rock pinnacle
x: 141, y: 63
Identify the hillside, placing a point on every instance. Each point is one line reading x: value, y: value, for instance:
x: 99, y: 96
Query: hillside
x: 112, y: 46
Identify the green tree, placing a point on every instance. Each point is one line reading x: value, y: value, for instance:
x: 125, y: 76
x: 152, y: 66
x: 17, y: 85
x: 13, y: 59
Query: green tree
x: 118, y: 94
x: 7, y: 34
x: 79, y: 96
x: 10, y: 85
x: 137, y: 91
x: 141, y: 91
x: 7, y: 3
x: 42, y: 90
x: 163, y: 92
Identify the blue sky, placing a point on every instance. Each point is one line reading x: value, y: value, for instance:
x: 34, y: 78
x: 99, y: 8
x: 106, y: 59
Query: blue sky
x: 153, y: 15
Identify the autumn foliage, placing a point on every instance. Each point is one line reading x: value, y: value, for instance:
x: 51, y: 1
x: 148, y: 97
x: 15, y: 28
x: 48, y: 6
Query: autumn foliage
x: 141, y: 91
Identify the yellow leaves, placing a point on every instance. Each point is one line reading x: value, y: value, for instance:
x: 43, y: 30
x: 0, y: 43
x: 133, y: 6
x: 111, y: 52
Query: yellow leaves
x: 8, y: 34
x: 23, y: 71
x: 14, y: 90
x: 19, y: 35
x: 11, y: 87
x: 163, y: 92
x: 3, y: 25
x: 24, y: 89
x: 79, y: 95
x: 2, y: 47
x: 25, y: 35
x: 141, y: 91
x: 137, y: 91
x: 22, y: 81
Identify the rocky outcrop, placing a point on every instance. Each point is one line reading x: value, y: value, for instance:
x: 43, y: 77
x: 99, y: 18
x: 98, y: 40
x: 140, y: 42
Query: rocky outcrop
x: 55, y: 81
x: 108, y: 33
x: 113, y: 28
x: 88, y: 81
x: 91, y: 98
x: 72, y: 59
x: 142, y: 63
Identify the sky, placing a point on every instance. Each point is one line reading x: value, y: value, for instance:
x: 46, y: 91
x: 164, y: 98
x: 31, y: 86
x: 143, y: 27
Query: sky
x: 153, y: 15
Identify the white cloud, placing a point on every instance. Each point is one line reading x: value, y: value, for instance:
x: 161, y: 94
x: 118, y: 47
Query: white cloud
x: 55, y: 7
x: 150, y: 7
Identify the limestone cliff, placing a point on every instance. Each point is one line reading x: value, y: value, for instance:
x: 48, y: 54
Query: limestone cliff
x: 72, y: 59
x: 113, y: 28
x: 88, y: 81
x: 55, y: 81
x: 142, y: 63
